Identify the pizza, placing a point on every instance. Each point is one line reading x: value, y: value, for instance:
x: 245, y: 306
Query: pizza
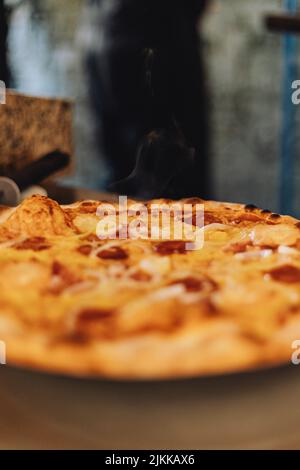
x: 75, y: 302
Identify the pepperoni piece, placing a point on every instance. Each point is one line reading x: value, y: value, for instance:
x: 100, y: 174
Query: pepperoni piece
x: 250, y: 207
x: 237, y: 247
x: 141, y: 276
x: 210, y: 218
x: 91, y: 238
x: 192, y: 284
x: 92, y: 322
x: 62, y: 278
x: 114, y: 252
x: 57, y: 268
x: 34, y: 243
x: 247, y: 217
x: 275, y: 216
x: 85, y: 250
x: 93, y: 314
x: 287, y: 273
x: 88, y: 207
x: 171, y: 247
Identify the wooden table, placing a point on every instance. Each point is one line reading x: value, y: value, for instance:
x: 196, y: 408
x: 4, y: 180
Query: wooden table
x: 251, y: 411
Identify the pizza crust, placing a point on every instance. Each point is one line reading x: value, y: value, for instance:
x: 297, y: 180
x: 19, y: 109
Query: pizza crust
x: 218, y: 351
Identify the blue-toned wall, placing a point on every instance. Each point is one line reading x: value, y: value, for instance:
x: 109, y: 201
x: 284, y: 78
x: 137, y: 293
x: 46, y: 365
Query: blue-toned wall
x: 245, y: 63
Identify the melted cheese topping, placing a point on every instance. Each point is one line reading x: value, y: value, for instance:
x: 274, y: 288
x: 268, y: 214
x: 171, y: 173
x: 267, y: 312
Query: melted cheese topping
x: 57, y: 276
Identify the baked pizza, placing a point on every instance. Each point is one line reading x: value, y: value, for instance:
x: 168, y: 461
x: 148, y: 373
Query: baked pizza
x: 77, y: 302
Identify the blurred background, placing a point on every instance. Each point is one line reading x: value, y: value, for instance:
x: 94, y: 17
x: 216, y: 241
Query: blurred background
x: 220, y: 82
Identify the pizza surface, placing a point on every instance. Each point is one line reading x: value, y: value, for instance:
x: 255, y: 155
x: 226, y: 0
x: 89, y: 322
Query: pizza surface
x: 73, y: 303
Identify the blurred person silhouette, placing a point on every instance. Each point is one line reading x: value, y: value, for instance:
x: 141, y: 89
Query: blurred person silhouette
x: 148, y: 89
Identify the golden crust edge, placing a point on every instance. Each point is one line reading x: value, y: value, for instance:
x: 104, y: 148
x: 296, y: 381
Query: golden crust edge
x: 83, y: 362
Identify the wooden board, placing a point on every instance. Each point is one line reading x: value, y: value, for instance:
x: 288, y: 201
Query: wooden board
x: 31, y: 127
x: 250, y: 411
